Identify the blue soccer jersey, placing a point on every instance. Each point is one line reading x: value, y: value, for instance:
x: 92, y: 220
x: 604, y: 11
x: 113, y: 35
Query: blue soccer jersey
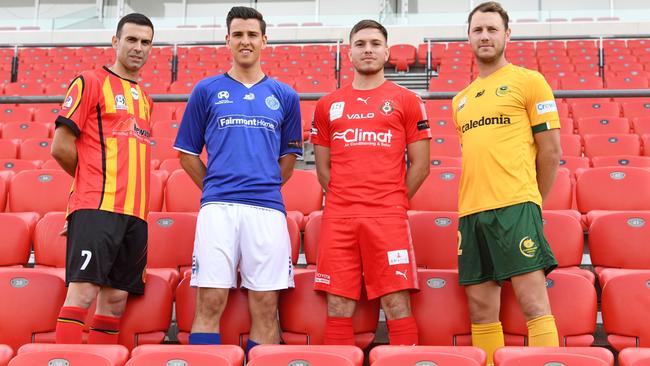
x: 245, y: 132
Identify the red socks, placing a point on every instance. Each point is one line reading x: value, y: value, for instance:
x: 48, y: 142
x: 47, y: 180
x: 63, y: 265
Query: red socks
x: 104, y: 330
x: 402, y: 331
x: 69, y: 324
x: 338, y: 331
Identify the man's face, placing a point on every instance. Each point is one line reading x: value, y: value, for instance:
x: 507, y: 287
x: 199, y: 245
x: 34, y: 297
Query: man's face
x: 245, y: 41
x: 488, y: 36
x: 368, y: 51
x: 133, y: 46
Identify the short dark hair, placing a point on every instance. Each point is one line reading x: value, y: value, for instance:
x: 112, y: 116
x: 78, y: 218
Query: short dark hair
x: 490, y: 7
x: 369, y: 23
x: 244, y: 12
x: 135, y: 18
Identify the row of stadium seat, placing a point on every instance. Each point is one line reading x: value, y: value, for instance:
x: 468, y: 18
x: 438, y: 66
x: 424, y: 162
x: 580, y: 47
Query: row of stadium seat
x: 317, y: 355
x: 440, y: 308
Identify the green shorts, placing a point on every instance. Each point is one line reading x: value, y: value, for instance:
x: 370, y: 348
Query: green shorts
x: 497, y: 244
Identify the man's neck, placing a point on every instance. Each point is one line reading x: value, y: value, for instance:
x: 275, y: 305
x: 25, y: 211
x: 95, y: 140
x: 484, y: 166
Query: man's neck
x: 485, y: 70
x: 122, y: 72
x: 367, y: 82
x: 246, y: 75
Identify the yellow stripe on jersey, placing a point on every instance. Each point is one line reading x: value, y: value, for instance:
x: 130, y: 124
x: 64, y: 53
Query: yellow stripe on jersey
x: 77, y: 85
x: 109, y: 97
x: 110, y: 183
x: 144, y: 183
x: 142, y: 103
x: 129, y: 200
x: 148, y: 107
x: 126, y: 86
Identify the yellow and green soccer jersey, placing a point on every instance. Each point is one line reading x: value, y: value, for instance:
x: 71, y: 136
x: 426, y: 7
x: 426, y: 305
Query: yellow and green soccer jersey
x: 496, y: 118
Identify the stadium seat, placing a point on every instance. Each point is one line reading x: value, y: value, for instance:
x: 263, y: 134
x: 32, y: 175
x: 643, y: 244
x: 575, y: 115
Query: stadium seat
x: 172, y: 355
x: 23, y: 313
x: 571, y: 145
x: 645, y: 139
x: 302, y: 192
x: 13, y: 114
x: 156, y: 188
x: 426, y: 355
x: 438, y: 192
x: 448, y: 84
x: 71, y: 354
x: 165, y: 128
x: 181, y: 194
x: 311, y: 354
x: 621, y: 160
x: 598, y: 110
x: 36, y: 149
x: 446, y: 162
x: 17, y: 89
x: 442, y: 126
x: 402, y: 56
x: 574, y: 356
x: 163, y: 148
x: 638, y: 108
x: 613, y: 188
x: 170, y: 165
x: 303, y: 312
x: 561, y: 195
x: 171, y: 240
x: 625, y: 304
x: 5, y: 354
x: 603, y: 125
x: 440, y: 309
x: 641, y: 126
x: 612, y: 144
x: 619, y: 239
x: 445, y: 145
x: 574, y: 163
x: 39, y: 191
x: 627, y: 82
x: 438, y: 109
x: 49, y: 244
x: 634, y: 357
x: 437, y: 50
x: 311, y: 237
x: 567, y: 126
x: 9, y: 148
x: 16, y: 242
x: 563, y: 231
x: 24, y: 130
x: 578, y: 82
x: 574, y: 306
x: 435, y: 238
x: 315, y: 85
x: 18, y: 165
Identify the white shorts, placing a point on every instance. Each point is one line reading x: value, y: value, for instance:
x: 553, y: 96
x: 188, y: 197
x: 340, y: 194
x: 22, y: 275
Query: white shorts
x: 254, y: 238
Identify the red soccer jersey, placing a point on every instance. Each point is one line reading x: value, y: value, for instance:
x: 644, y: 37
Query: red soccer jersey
x: 367, y: 132
x: 110, y: 116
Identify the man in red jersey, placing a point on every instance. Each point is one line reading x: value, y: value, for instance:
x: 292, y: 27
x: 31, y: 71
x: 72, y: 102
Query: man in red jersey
x: 102, y: 140
x: 360, y: 135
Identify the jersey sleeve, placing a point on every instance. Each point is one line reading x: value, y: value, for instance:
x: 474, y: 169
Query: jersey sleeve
x: 80, y: 98
x: 415, y: 121
x: 291, y: 133
x: 320, y: 134
x: 540, y: 104
x: 191, y: 133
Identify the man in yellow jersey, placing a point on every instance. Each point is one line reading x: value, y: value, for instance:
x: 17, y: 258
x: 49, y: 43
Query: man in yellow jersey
x: 509, y: 129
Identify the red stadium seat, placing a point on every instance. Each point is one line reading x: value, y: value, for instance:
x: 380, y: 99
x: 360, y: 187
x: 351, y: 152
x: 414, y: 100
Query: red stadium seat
x: 438, y: 109
x: 294, y: 237
x: 163, y: 148
x: 302, y: 192
x: 574, y: 163
x: 39, y: 191
x: 634, y: 357
x: 571, y: 145
x: 235, y: 321
x: 5, y: 354
x: 439, y: 191
x: 625, y: 304
x: 25, y: 130
x: 446, y: 162
x: 36, y: 149
x: 214, y: 355
x: 443, y: 83
x: 574, y: 306
x: 440, y: 309
x: 170, y: 165
x: 621, y: 160
x: 15, y: 245
x: 10, y: 113
x: 442, y: 126
x: 18, y: 165
x: 567, y: 126
x: 72, y: 354
x: 311, y: 354
x: 612, y: 144
x: 603, y: 125
x: 599, y: 110
x: 627, y: 82
x: 164, y: 112
x: 171, y: 240
x: 437, y: 50
x: 445, y: 145
x: 311, y: 237
x: 561, y: 195
x: 307, y: 109
x: 156, y: 188
x: 638, y: 108
x: 9, y: 148
x: 23, y: 311
x: 51, y: 164
x: 613, y: 188
x: 645, y: 139
x: 49, y: 244
x: 426, y: 355
x: 178, y: 87
x: 181, y: 193
x: 578, y: 82
x: 315, y: 85
x: 402, y: 56
x: 303, y: 312
x: 619, y: 240
x: 165, y: 128
x: 641, y: 126
x: 435, y: 238
x: 24, y: 89
x: 563, y: 231
x: 574, y: 356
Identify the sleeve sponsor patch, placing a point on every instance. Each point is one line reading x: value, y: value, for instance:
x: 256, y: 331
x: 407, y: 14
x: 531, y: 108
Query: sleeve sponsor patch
x: 423, y: 125
x: 545, y: 107
x: 297, y: 144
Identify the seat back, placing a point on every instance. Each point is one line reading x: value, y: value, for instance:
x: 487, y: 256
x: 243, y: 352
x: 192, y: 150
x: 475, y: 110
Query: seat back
x: 181, y: 194
x: 613, y: 188
x: 620, y: 240
x: 39, y: 191
x: 171, y: 239
x: 438, y: 192
x: 435, y: 238
x: 574, y: 356
x: 302, y: 192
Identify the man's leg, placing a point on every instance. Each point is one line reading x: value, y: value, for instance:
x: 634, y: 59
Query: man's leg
x: 484, y: 301
x: 70, y: 322
x: 338, y: 326
x: 263, y: 306
x: 530, y: 289
x: 105, y: 325
x: 210, y: 303
x: 402, y: 329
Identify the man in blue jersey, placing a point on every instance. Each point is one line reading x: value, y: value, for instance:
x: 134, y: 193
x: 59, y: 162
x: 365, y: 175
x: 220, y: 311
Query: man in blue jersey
x: 250, y: 126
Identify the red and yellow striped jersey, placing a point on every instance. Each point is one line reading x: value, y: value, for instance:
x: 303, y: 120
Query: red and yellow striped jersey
x: 110, y: 116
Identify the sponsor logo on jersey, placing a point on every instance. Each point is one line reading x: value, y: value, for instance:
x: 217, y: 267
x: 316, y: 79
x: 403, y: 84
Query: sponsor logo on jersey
x: 296, y: 144
x: 545, y: 107
x: 400, y: 273
x: 129, y: 126
x: 400, y: 256
x: 360, y: 115
x: 223, y: 96
x: 336, y: 110
x: 272, y: 102
x: 120, y: 102
x: 480, y: 94
x: 387, y: 107
x: 462, y: 103
x: 528, y: 247
x: 365, y: 101
x: 134, y: 93
x: 68, y: 102
x: 502, y: 91
x: 322, y: 278
x: 249, y: 96
x: 423, y: 125
x: 358, y: 137
x: 485, y: 121
x: 235, y: 120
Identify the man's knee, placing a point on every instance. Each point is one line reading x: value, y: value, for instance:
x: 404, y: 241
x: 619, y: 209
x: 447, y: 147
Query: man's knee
x: 396, y: 305
x: 530, y: 289
x: 483, y: 301
x: 340, y: 307
x: 263, y: 305
x: 111, y: 302
x: 81, y: 294
x: 210, y: 302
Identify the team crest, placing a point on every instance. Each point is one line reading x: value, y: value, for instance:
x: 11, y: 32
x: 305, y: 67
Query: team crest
x: 68, y: 102
x: 272, y: 102
x: 336, y: 110
x: 120, y: 102
x: 528, y: 247
x: 502, y: 91
x: 387, y: 107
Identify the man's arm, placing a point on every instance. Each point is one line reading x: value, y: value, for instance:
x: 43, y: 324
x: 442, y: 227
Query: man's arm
x: 64, y: 149
x: 287, y: 163
x: 194, y: 167
x: 549, y: 152
x: 418, y: 155
x: 322, y: 155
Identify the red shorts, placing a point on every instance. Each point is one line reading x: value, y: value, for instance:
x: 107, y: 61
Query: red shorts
x: 379, y: 249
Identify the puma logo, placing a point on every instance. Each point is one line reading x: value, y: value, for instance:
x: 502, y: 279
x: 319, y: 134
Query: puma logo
x: 403, y: 274
x: 365, y: 101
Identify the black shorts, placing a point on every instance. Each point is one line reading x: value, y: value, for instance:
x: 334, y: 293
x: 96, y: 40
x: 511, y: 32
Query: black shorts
x: 107, y: 249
